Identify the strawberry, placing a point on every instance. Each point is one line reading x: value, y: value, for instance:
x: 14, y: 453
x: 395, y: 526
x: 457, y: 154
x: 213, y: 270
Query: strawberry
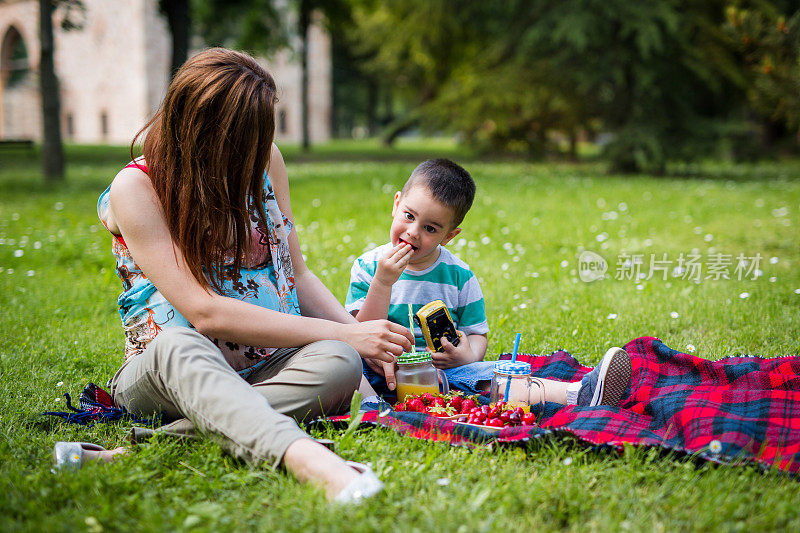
x: 455, y: 402
x: 427, y: 398
x: 400, y: 406
x: 467, y: 405
x: 415, y: 404
x: 438, y: 402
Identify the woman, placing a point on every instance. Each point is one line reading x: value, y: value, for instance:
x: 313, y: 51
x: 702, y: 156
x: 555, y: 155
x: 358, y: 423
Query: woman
x: 217, y: 297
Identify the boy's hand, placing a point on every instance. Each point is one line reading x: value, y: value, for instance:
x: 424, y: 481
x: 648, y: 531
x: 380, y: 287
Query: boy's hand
x: 391, y: 265
x: 454, y: 355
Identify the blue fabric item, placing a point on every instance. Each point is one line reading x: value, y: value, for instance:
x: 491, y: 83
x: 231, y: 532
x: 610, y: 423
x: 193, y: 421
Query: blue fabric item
x: 97, y: 407
x: 588, y: 384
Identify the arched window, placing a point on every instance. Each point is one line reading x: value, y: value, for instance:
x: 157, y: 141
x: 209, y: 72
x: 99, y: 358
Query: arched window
x: 14, y: 65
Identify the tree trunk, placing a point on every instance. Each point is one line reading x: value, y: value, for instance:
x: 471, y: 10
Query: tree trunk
x: 178, y: 20
x: 303, y: 25
x: 52, y: 149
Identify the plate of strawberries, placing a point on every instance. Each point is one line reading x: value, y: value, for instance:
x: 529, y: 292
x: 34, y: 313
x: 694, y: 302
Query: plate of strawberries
x: 467, y: 410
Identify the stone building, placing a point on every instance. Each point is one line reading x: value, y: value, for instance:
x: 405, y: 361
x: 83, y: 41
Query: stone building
x: 114, y: 71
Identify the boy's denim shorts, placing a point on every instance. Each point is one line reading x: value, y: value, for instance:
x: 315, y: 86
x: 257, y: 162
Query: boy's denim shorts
x: 465, y: 378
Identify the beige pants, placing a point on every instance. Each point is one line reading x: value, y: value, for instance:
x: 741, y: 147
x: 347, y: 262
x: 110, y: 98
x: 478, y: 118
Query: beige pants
x: 184, y: 376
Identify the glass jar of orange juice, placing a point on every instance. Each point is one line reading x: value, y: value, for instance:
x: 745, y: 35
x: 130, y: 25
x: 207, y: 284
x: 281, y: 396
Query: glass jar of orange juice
x: 416, y: 375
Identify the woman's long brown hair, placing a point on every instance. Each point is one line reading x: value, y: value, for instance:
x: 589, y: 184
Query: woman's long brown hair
x: 206, y: 150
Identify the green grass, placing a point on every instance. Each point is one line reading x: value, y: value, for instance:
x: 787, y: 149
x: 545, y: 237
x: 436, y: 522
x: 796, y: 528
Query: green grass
x: 60, y: 325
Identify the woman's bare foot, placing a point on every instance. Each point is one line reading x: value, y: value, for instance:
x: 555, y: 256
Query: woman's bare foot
x: 312, y: 462
x: 103, y: 455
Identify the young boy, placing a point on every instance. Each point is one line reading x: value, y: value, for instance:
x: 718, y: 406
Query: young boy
x: 415, y: 268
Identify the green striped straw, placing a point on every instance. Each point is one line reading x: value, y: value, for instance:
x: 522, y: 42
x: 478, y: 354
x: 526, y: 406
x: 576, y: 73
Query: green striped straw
x: 411, y: 327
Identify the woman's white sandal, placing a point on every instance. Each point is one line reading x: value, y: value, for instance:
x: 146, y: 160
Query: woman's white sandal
x: 364, y: 486
x: 70, y: 454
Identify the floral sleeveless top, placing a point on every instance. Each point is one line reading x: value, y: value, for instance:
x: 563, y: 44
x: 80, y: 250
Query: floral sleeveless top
x: 266, y: 281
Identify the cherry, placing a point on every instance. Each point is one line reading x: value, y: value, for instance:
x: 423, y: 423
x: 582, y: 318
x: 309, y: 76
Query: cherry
x: 485, y: 409
x: 505, y: 416
x: 529, y: 419
x: 493, y: 412
x: 494, y: 422
x: 479, y: 416
x: 515, y: 418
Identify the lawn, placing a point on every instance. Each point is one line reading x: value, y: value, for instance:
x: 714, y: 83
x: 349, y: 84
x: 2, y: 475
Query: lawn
x: 530, y: 222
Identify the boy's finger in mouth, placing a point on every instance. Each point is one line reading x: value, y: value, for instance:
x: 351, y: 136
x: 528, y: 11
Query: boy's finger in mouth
x: 413, y: 248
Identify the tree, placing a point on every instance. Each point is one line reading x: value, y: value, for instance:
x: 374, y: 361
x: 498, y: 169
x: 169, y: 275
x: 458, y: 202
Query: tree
x: 768, y: 38
x: 52, y: 149
x: 177, y: 13
x: 52, y: 145
x: 507, y: 74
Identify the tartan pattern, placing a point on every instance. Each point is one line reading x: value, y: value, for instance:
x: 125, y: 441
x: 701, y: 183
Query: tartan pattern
x: 749, y: 405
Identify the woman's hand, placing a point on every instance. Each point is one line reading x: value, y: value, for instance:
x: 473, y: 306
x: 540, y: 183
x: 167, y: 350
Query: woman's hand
x: 378, y: 339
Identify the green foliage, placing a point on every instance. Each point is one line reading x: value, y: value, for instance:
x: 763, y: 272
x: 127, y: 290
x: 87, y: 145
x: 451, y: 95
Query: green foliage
x: 60, y: 324
x: 770, y: 46
x: 662, y: 76
x: 254, y: 25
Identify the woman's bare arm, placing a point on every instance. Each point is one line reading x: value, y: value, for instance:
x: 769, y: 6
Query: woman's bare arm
x: 137, y: 214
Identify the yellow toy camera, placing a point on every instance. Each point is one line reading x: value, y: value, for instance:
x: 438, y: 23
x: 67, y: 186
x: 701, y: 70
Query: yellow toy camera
x: 436, y: 322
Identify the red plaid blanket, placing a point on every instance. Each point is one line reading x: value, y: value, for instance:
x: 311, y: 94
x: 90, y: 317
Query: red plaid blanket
x: 733, y: 409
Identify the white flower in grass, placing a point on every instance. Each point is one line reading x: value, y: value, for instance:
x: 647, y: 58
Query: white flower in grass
x: 59, y: 383
x: 744, y: 295
x: 715, y: 446
x: 58, y: 399
x: 796, y: 291
x: 10, y: 271
x: 674, y: 314
x: 640, y: 287
x: 58, y: 206
x: 564, y: 263
x: 31, y: 273
x: 443, y: 481
x: 708, y: 237
x: 485, y: 239
x: 773, y: 279
x: 612, y: 316
x: 690, y: 348
x: 18, y: 253
x: 37, y: 245
x: 567, y: 461
x: 773, y: 260
x: 523, y: 306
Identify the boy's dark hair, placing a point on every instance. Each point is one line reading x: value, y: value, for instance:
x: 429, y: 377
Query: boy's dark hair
x: 448, y: 183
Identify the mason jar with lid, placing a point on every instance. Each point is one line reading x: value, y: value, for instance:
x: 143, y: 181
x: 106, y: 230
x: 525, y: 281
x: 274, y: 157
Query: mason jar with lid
x: 416, y: 375
x: 512, y: 382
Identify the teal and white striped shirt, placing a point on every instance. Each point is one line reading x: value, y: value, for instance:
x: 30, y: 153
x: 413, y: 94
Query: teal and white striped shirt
x: 449, y: 279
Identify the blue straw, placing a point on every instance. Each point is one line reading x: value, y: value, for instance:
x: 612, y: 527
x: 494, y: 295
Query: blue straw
x: 513, y: 360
